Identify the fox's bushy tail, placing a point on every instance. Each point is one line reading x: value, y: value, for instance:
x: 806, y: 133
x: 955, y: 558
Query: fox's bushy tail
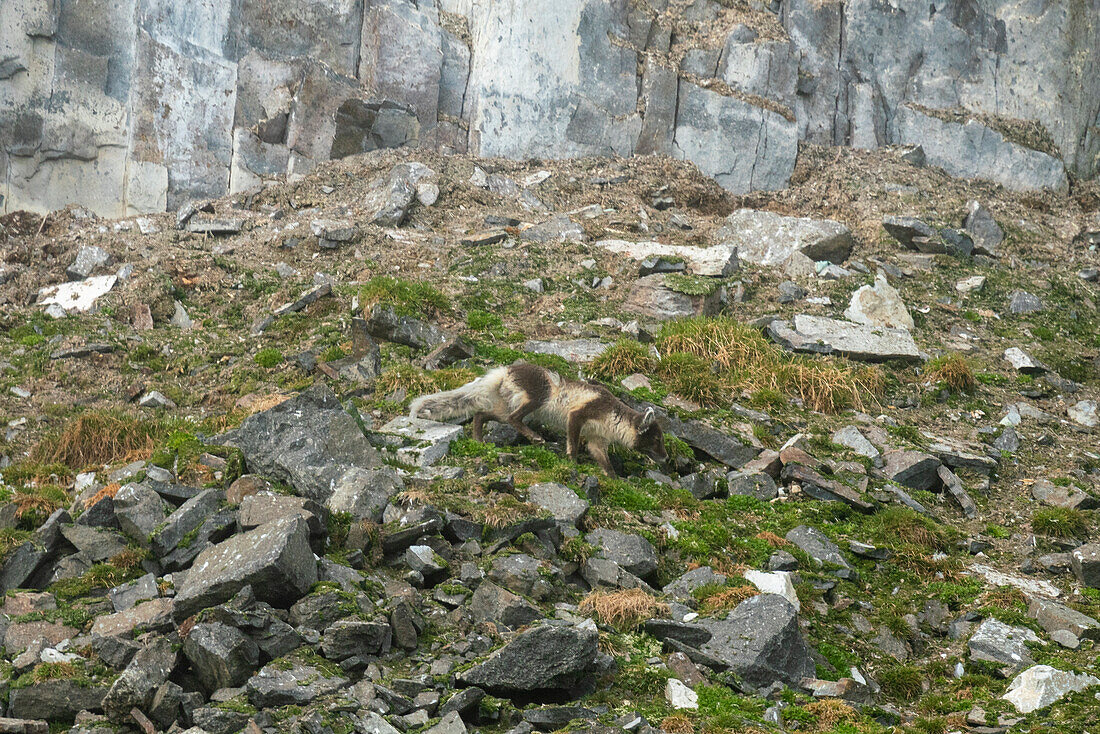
x: 478, y: 396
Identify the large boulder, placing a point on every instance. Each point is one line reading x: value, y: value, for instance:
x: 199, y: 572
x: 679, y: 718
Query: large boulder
x: 55, y: 700
x: 309, y: 442
x: 767, y: 238
x: 275, y: 559
x: 548, y: 661
x: 490, y: 603
x: 761, y: 641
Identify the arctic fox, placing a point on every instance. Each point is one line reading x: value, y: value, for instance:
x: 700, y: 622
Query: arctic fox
x: 580, y: 410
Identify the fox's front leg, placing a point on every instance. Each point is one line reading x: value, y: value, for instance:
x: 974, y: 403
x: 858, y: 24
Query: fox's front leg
x: 573, y: 426
x: 599, y: 453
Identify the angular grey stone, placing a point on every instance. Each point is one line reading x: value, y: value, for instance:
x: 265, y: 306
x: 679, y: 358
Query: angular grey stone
x: 308, y: 442
x: 525, y: 575
x: 761, y: 641
x: 221, y: 656
x: 571, y: 350
x: 1085, y: 562
x: 983, y: 229
x: 544, y: 660
x: 1055, y: 617
x: 816, y: 545
x: 186, y: 519
x: 386, y: 324
x: 1023, y: 362
x: 558, y: 228
x: 140, y: 511
x: 1022, y: 302
x: 633, y: 552
x: 973, y: 150
x: 1084, y: 413
x: 366, y: 499
x: 88, y: 258
x: 1041, y: 685
x: 137, y: 685
x: 264, y: 507
x: 53, y: 700
x: 490, y: 603
x: 682, y: 588
x: 767, y: 238
x: 912, y: 469
x: 422, y: 442
x: 1050, y: 494
x: 387, y: 199
x: 651, y: 296
x: 94, y: 544
x: 297, y: 685
x: 694, y: 635
x: 997, y: 642
x: 126, y: 596
x: 560, y: 501
x: 852, y: 438
x: 909, y: 231
x: 275, y: 559
x: 350, y: 637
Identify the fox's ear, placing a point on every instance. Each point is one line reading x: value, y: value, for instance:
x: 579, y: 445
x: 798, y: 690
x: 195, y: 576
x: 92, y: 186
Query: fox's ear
x: 648, y: 418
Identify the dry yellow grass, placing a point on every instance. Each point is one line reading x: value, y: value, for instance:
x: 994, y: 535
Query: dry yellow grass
x: 830, y: 712
x: 677, y: 724
x: 621, y: 359
x: 109, y: 491
x: 775, y: 541
x: 97, y: 438
x: 954, y: 372
x: 35, y: 503
x: 728, y: 598
x: 624, y: 609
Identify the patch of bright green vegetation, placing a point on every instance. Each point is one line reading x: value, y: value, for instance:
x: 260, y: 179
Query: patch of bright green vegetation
x: 691, y: 285
x: 901, y: 682
x: 1060, y: 522
x: 623, y: 358
x: 268, y: 358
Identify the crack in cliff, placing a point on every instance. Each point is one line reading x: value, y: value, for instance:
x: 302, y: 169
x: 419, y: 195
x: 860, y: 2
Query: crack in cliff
x: 838, y: 138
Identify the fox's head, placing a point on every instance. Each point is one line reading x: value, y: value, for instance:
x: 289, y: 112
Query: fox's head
x: 651, y: 440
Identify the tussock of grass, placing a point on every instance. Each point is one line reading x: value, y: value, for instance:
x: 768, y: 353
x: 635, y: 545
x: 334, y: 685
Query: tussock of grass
x: 955, y: 372
x: 96, y: 438
x: 692, y: 377
x: 625, y: 609
x: 744, y: 360
x: 621, y: 359
x: 902, y: 682
x: 775, y: 541
x: 1060, y: 522
x: 896, y: 524
x: 34, y: 504
x: 406, y: 297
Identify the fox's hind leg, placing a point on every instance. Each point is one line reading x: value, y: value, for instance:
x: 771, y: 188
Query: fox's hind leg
x: 515, y: 420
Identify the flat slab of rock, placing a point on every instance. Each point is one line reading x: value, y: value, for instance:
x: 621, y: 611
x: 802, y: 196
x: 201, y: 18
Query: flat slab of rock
x: 153, y: 615
x: 1041, y: 685
x: 559, y: 500
x: 386, y: 324
x: 1053, y: 495
x: 426, y: 441
x: 998, y: 642
x: 822, y: 335
x: 309, y: 442
x: 767, y: 238
x: 296, y: 685
x: 912, y: 469
x: 571, y: 350
x: 55, y: 700
x: 715, y: 261
x: 275, y: 559
x: 79, y: 296
x: 817, y: 545
x: 1055, y: 617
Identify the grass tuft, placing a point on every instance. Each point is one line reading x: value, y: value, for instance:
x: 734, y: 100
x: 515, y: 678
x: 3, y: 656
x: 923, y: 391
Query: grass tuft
x: 406, y: 297
x: 97, y: 437
x: 1060, y: 522
x: 625, y: 609
x: 954, y: 372
x: 744, y: 360
x: 621, y: 359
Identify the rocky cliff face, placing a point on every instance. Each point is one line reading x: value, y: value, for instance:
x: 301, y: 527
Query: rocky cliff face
x: 142, y: 105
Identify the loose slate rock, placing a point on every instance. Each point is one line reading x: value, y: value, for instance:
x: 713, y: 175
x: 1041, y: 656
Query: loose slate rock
x: 761, y: 641
x: 309, y: 442
x: 632, y: 552
x: 822, y: 335
x: 277, y: 685
x: 275, y: 559
x: 1041, y: 685
x: 559, y: 500
x: 912, y: 469
x: 816, y: 545
x: 386, y: 324
x: 997, y: 642
x: 549, y: 661
x: 221, y: 656
x: 767, y: 238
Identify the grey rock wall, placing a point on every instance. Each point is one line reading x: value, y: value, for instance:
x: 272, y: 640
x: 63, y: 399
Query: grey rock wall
x: 141, y: 105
